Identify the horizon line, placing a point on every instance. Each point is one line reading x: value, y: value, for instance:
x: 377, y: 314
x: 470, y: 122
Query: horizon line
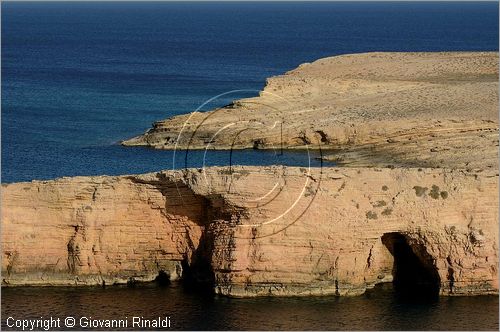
x: 241, y: 1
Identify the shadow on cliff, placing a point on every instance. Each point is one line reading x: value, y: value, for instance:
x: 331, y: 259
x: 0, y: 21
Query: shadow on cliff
x: 181, y: 201
x: 198, y: 275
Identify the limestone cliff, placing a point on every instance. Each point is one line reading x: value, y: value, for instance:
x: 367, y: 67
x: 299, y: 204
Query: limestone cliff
x: 252, y: 231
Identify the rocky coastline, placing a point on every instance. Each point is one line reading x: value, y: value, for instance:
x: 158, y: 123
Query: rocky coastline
x: 319, y: 232
x: 415, y: 140
x: 371, y: 109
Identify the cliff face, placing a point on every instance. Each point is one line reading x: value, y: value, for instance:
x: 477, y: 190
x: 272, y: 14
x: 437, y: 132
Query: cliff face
x: 97, y: 229
x: 252, y: 231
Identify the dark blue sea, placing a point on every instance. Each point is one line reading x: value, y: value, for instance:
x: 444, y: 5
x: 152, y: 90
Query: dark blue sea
x: 79, y: 77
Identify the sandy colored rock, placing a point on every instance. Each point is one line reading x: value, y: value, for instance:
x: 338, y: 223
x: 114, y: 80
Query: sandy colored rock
x: 376, y: 109
x: 253, y: 231
x: 93, y: 230
x: 258, y: 231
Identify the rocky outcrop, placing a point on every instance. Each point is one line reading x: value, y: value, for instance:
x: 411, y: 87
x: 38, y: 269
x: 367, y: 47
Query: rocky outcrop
x: 252, y: 231
x: 97, y: 230
x: 373, y: 109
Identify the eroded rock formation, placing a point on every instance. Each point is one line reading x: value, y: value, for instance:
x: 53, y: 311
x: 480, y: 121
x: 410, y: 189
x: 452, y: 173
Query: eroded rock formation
x: 252, y: 231
x: 374, y: 109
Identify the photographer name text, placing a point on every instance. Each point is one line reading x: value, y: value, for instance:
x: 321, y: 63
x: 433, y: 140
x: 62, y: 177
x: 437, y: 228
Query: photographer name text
x: 47, y: 324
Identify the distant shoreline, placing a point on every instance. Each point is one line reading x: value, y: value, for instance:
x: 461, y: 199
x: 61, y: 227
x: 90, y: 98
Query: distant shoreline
x: 376, y: 109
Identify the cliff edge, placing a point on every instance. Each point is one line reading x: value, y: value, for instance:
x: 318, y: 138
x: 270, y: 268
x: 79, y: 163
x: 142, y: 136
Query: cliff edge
x: 371, y: 109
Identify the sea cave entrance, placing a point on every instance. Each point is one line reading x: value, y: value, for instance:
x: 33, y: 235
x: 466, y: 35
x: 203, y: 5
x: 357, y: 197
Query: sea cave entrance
x: 414, y: 272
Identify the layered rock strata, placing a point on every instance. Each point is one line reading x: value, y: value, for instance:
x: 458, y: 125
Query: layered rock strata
x: 252, y: 231
x: 372, y: 109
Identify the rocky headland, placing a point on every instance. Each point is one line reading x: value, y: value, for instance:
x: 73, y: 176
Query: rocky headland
x: 413, y: 199
x: 372, y: 109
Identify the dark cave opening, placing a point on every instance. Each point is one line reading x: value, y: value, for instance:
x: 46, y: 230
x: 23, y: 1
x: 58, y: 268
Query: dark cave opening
x: 197, y: 272
x: 163, y: 279
x: 414, y: 273
x: 198, y: 278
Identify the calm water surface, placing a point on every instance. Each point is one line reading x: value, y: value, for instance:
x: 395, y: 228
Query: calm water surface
x: 79, y: 77
x: 379, y: 309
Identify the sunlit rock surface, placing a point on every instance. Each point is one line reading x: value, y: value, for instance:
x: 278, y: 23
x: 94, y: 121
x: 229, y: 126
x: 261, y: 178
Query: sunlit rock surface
x: 415, y: 201
x: 423, y: 109
x: 251, y: 231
